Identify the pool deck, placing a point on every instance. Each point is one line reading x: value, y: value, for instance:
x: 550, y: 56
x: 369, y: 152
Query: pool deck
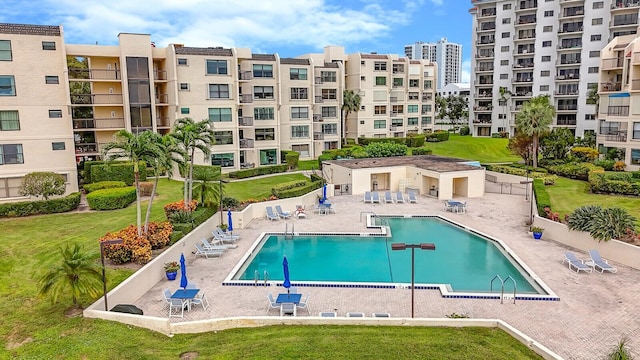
x: 594, y: 312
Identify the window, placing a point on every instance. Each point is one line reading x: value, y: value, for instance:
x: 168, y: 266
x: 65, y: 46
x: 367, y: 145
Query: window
x: 217, y: 67
x: 297, y: 74
x: 9, y: 120
x: 264, y: 113
x: 362, y: 78
x: 546, y: 58
x: 426, y: 120
x: 381, y: 80
x: 414, y: 83
x: 428, y: 84
x: 223, y: 137
x: 51, y: 79
x: 223, y: 160
x: 381, y: 66
x: 330, y: 129
x: 265, y: 134
x: 379, y: 124
x: 329, y: 112
x: 5, y: 50
x: 300, y: 131
x: 397, y: 109
x: 7, y: 85
x: 397, y: 68
x: 380, y: 110
x: 546, y: 43
x: 547, y: 28
x: 593, y: 69
x: 263, y: 92
x: 184, y: 86
x: 504, y: 76
x: 504, y: 62
x: 57, y: 145
x: 506, y: 21
x: 268, y: 157
x: 329, y: 94
x: 11, y: 154
x: 328, y: 76
x: 506, y: 35
x: 48, y: 45
x: 414, y: 96
x: 218, y: 91
x: 636, y: 131
x: 594, y: 54
x: 397, y: 122
x: 504, y: 48
x: 55, y: 113
x: 299, y: 93
x: 412, y: 108
x: 598, y: 4
x: 220, y: 114
x: 426, y: 108
x: 184, y: 111
x: 412, y: 121
x: 398, y: 82
x: 548, y: 13
x: 300, y: 112
x: 182, y: 62
x: 262, y: 71
x: 596, y: 37
x: 596, y: 21
x: 545, y: 73
x: 506, y: 7
x: 590, y: 116
x: 544, y: 87
x: 635, y: 156
x: 303, y: 150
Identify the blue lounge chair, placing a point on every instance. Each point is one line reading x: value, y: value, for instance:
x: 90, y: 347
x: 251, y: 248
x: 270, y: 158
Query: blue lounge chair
x: 283, y: 214
x: 412, y: 197
x: 367, y: 197
x: 387, y: 197
x: 576, y: 263
x: 599, y: 262
x: 399, y: 197
x: 375, y: 197
x: 271, y: 215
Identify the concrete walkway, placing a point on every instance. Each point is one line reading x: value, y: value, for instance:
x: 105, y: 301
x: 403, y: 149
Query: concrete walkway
x: 594, y: 312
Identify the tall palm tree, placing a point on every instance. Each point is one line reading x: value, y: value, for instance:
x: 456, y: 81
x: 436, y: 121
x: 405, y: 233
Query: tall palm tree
x: 77, y: 273
x: 534, y: 121
x: 192, y: 135
x: 350, y: 103
x: 205, y: 187
x: 134, y: 147
x: 505, y: 95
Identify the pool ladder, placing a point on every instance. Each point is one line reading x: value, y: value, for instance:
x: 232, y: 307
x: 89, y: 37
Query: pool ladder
x: 256, y: 276
x: 287, y: 235
x: 502, y: 281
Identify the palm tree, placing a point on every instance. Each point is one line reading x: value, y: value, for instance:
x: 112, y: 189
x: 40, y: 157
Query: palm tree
x: 135, y: 147
x: 593, y: 97
x: 192, y: 135
x: 505, y: 95
x: 350, y: 103
x: 534, y: 120
x: 77, y: 273
x: 205, y: 187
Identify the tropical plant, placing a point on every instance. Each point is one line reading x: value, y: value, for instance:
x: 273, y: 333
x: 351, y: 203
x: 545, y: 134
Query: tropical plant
x: 537, y: 229
x: 382, y: 149
x: 43, y: 184
x: 583, y: 218
x: 350, y: 103
x: 593, y: 98
x: 602, y: 224
x: 206, y: 188
x: 441, y: 107
x: 77, y: 274
x: 505, y: 95
x: 135, y: 147
x: 181, y: 217
x: 172, y: 266
x: 620, y: 351
x: 520, y: 144
x: 588, y: 139
x: 534, y: 120
x: 556, y: 145
x: 192, y: 135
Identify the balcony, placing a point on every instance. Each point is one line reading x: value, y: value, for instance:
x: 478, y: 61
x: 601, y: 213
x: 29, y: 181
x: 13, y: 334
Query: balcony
x: 162, y: 99
x: 318, y: 135
x: 246, y: 143
x: 319, y: 99
x: 163, y: 122
x: 317, y: 118
x: 635, y: 84
x: 487, y: 13
x: 94, y: 74
x: 570, y: 76
x: 245, y: 121
x: 566, y: 92
x: 489, y: 55
x: 570, y: 29
x: 523, y: 65
x: 485, y: 94
x: 160, y: 75
x: 618, y: 110
x: 613, y: 136
x: 611, y: 86
x: 483, y: 68
x: 564, y: 47
x: 318, y: 80
x: 526, y: 21
x: 86, y: 147
x: 482, y: 121
x: 96, y: 99
x: 567, y: 107
x: 566, y: 122
x: 245, y: 75
x: 612, y: 63
x: 486, y: 27
x: 106, y: 123
x: 485, y: 42
x: 624, y: 4
x: 484, y: 81
x: 246, y: 99
x: 570, y: 61
x: 396, y: 113
x: 482, y: 108
x: 523, y: 52
x: 571, y: 12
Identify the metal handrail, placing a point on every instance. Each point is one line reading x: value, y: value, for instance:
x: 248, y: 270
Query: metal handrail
x: 502, y: 281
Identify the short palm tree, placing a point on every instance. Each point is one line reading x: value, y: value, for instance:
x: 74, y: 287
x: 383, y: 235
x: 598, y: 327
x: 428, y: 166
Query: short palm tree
x: 134, y: 147
x: 77, y: 273
x: 350, y: 103
x: 205, y: 187
x: 192, y: 135
x: 534, y: 121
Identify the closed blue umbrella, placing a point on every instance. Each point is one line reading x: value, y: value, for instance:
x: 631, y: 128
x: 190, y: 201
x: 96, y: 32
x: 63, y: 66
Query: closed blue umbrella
x: 324, y: 193
x: 230, y: 221
x: 183, y: 273
x: 285, y: 269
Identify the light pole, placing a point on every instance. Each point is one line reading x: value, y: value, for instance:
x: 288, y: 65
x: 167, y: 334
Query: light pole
x: 526, y: 195
x: 220, y: 208
x: 104, y: 273
x: 413, y: 247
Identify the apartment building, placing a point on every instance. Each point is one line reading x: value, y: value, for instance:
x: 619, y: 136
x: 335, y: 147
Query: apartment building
x: 447, y: 55
x: 35, y: 120
x: 536, y: 47
x: 619, y: 99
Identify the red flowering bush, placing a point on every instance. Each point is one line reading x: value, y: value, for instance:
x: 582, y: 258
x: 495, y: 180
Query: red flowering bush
x: 552, y: 215
x: 136, y: 248
x: 170, y: 208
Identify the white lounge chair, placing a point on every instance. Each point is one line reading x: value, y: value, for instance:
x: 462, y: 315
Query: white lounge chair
x: 599, y: 262
x: 200, y: 251
x: 576, y: 263
x: 283, y: 214
x: 387, y: 197
x: 272, y: 303
x: 200, y: 299
x: 223, y: 235
x: 367, y: 197
x: 375, y: 197
x: 300, y: 212
x: 305, y: 304
x: 208, y: 246
x: 412, y: 197
x: 399, y: 197
x: 271, y: 215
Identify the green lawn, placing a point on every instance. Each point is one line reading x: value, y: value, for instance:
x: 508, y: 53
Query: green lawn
x: 259, y: 188
x: 307, y: 165
x: 485, y: 150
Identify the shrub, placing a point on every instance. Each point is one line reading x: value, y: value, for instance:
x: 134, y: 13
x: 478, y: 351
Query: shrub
x: 496, y: 136
x: 635, y: 174
x: 619, y: 166
x: 276, y: 190
x: 602, y: 224
x: 181, y: 217
x: 465, y: 131
x: 415, y: 141
x: 578, y: 171
x: 421, y: 151
x: 367, y: 141
x: 26, y: 208
x: 229, y: 202
x: 136, y: 248
x: 385, y: 150
x: 301, y: 190
x: 607, y: 165
x: 315, y: 177
x: 584, y: 153
x: 170, y: 208
x: 546, y: 178
x: 111, y: 199
x: 118, y: 171
x: 42, y: 183
x: 438, y: 136
x: 262, y: 170
x: 145, y: 188
x: 87, y: 169
x: 542, y: 197
x: 88, y: 188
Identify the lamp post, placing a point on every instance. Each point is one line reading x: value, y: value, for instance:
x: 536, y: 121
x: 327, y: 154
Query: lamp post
x: 413, y: 247
x: 220, y: 208
x: 104, y: 273
x: 526, y: 195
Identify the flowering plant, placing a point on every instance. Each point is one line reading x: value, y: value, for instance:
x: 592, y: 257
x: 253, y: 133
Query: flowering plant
x: 172, y: 266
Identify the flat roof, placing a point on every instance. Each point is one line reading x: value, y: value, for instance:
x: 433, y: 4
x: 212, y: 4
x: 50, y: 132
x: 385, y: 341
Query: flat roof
x: 426, y: 162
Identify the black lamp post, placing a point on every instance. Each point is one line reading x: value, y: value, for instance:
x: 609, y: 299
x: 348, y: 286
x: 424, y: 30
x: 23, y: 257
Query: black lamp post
x: 104, y: 273
x: 413, y: 247
x: 220, y: 208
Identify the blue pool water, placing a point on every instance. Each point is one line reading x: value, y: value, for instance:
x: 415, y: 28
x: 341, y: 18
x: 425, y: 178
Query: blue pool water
x: 463, y: 260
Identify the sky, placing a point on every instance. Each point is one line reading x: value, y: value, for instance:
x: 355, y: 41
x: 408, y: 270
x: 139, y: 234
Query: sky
x: 287, y: 27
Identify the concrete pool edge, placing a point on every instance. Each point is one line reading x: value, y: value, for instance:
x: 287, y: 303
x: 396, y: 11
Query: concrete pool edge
x: 444, y: 289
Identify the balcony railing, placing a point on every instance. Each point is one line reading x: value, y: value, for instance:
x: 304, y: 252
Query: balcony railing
x: 245, y: 121
x: 318, y: 135
x: 569, y: 13
x: 611, y: 63
x: 615, y: 136
x: 608, y: 87
x: 106, y: 123
x: 96, y: 99
x: 94, y: 74
x: 162, y: 98
x: 246, y: 143
x: 484, y: 68
x: 485, y: 41
x: 485, y: 94
x: 84, y: 147
x: 246, y: 99
x: 567, y: 107
x: 160, y: 74
x: 621, y: 4
x: 618, y: 110
x: 245, y: 75
x: 522, y: 65
x: 566, y: 92
x: 482, y: 121
x: 317, y: 118
x: 566, y: 122
x: 487, y: 12
x: 163, y: 122
x: 571, y: 76
x: 319, y: 99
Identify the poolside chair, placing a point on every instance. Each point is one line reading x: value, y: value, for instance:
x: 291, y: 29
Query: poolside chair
x: 305, y: 304
x: 270, y: 214
x: 328, y: 314
x: 300, y: 212
x: 272, y: 303
x: 412, y: 197
x: 387, y: 197
x: 355, y: 314
x: 200, y: 251
x: 578, y: 264
x: 599, y: 262
x: 283, y: 214
x: 447, y: 206
x: 200, y: 299
x: 174, y: 304
x: 375, y: 197
x: 381, y: 315
x: 399, y: 197
x: 223, y: 235
x: 367, y: 197
x: 287, y: 309
x: 191, y: 285
x: 208, y: 246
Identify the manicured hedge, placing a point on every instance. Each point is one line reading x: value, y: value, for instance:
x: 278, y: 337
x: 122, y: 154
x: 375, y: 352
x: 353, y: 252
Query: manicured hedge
x: 262, y: 170
x: 291, y: 158
x: 315, y: 177
x: 26, y: 208
x: 410, y: 141
x: 202, y: 171
x: 578, y: 171
x: 278, y: 189
x: 608, y: 183
x: 438, y: 136
x: 301, y: 190
x: 110, y: 199
x: 542, y: 197
x: 88, y: 188
x: 118, y: 171
x: 87, y: 169
x: 546, y: 178
x: 421, y: 151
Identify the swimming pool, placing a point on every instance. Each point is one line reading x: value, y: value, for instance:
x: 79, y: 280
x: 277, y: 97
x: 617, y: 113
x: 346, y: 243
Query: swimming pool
x: 464, y: 262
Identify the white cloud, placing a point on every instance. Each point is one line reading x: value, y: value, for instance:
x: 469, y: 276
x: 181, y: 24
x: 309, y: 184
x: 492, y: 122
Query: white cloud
x: 465, y: 71
x: 437, y: 2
